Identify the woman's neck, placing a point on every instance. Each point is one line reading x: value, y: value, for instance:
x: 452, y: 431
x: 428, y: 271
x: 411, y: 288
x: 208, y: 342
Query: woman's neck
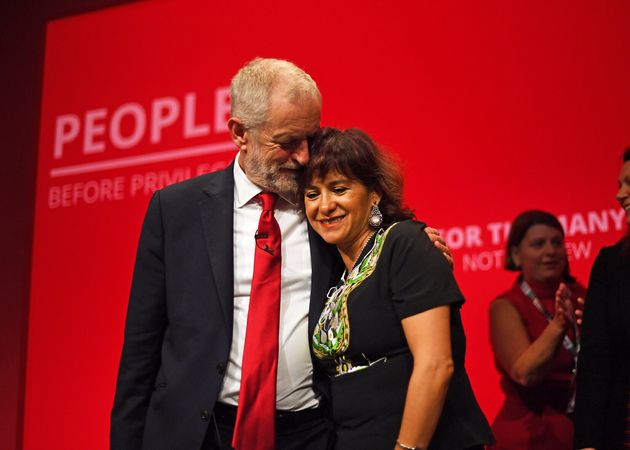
x: 542, y: 289
x: 351, y: 253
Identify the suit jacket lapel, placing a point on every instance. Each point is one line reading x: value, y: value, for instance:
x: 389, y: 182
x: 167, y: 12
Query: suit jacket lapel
x: 217, y: 215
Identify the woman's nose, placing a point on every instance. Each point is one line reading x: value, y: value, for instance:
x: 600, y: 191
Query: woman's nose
x: 327, y: 204
x: 550, y: 248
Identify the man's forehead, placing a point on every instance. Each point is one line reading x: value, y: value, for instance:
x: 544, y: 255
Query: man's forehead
x: 289, y: 118
x: 302, y: 105
x: 293, y: 132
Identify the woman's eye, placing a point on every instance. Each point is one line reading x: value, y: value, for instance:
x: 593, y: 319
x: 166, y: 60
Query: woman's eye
x: 311, y: 195
x: 339, y: 190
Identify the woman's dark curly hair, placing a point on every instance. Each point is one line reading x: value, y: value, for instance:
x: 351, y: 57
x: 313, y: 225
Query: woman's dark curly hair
x: 354, y: 154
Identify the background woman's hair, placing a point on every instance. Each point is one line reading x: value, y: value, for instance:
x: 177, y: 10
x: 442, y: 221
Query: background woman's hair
x: 354, y: 154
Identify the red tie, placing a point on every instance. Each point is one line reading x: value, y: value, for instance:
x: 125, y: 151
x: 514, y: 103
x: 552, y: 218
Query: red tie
x: 255, y: 419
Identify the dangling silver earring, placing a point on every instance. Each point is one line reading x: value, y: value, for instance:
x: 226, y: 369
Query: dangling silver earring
x: 376, y: 218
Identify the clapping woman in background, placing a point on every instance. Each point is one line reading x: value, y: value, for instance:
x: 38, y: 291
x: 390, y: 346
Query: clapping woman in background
x: 535, y: 338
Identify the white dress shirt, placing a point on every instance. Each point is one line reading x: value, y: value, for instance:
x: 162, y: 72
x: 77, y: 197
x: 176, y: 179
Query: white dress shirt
x: 295, y: 369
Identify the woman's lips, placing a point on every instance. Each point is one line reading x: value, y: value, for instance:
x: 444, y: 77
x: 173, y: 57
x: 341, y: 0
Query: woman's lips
x: 331, y: 221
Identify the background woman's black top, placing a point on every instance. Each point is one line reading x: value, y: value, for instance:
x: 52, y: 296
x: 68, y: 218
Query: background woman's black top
x: 603, y: 374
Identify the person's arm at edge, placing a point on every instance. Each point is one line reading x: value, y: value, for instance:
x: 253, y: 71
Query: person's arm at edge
x: 594, y: 373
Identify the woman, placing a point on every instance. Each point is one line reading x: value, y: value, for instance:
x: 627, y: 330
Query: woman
x: 390, y: 336
x: 602, y: 419
x: 533, y: 333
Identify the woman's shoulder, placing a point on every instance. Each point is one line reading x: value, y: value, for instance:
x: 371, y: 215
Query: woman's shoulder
x: 509, y: 304
x: 407, y: 241
x: 614, y: 252
x: 611, y: 250
x: 502, y: 306
x: 407, y: 235
x: 508, y: 296
x: 613, y: 263
x: 406, y: 229
x: 500, y: 299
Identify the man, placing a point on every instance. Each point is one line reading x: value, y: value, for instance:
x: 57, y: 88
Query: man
x: 184, y: 355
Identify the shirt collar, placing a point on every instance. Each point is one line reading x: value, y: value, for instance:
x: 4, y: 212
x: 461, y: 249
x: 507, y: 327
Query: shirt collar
x: 244, y: 190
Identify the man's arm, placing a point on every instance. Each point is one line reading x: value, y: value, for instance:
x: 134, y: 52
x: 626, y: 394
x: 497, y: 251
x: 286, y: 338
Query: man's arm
x: 144, y: 332
x: 594, y: 373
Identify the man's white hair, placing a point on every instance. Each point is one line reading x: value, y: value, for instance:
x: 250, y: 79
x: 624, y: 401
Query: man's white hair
x: 255, y: 81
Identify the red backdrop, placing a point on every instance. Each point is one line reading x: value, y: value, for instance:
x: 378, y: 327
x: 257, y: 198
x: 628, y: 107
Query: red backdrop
x: 494, y: 108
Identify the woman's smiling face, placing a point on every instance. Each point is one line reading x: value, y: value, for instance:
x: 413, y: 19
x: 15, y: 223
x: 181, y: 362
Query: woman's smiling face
x: 338, y: 209
x: 541, y: 254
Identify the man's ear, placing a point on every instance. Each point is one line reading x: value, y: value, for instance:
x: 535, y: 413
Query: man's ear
x: 237, y: 133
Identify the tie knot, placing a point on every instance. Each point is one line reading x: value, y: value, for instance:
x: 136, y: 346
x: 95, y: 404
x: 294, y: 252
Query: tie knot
x: 268, y: 200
